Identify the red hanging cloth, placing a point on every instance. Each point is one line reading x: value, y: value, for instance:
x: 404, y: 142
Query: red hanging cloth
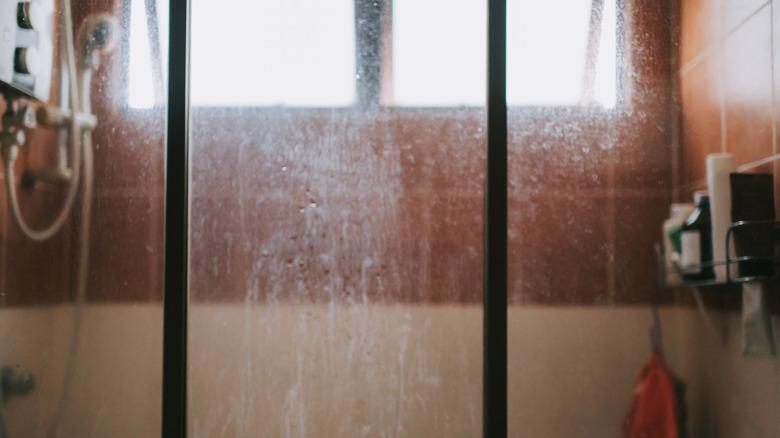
x: 654, y: 409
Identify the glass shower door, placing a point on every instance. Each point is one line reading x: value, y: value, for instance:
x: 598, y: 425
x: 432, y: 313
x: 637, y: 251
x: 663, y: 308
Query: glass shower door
x: 81, y: 310
x: 336, y: 218
x: 591, y: 179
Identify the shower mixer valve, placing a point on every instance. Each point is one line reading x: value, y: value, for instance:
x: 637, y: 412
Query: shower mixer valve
x: 20, y: 117
x: 16, y: 119
x: 15, y: 382
x: 26, y: 53
x: 73, y: 118
x: 26, y: 47
x: 97, y: 36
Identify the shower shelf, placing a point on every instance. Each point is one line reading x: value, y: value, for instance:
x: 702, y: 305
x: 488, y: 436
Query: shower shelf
x: 730, y: 260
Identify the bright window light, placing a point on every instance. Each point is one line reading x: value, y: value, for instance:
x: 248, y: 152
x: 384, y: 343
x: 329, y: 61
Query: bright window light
x: 302, y: 53
x: 258, y: 53
x: 547, y: 44
x: 140, y: 79
x: 605, y: 84
x: 439, y: 52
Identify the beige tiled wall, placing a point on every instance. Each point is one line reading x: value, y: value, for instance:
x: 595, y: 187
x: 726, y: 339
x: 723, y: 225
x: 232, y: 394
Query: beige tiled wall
x: 387, y: 370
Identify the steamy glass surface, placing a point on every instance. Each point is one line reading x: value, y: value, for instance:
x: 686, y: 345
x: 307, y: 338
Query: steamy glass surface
x: 96, y: 358
x: 590, y: 182
x: 335, y: 262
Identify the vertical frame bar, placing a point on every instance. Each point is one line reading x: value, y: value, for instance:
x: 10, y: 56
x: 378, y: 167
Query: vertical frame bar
x: 620, y: 49
x: 494, y: 412
x: 174, y: 409
x: 368, y: 50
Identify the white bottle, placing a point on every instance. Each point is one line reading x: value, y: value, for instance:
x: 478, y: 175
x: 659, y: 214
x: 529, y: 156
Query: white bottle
x: 719, y: 167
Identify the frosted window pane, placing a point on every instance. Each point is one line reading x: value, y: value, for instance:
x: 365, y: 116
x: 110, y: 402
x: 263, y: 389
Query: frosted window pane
x: 141, y: 83
x: 441, y: 67
x: 335, y: 257
x: 546, y: 42
x: 282, y: 52
x: 259, y: 53
x: 605, y: 86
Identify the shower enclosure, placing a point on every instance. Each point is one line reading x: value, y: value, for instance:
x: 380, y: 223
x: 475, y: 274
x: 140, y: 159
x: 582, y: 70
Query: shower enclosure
x: 401, y: 218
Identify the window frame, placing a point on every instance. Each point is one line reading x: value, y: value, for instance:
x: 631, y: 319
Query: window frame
x: 373, y: 23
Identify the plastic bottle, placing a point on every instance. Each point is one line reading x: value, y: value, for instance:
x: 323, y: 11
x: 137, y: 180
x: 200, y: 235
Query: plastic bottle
x: 696, y: 241
x: 672, y: 230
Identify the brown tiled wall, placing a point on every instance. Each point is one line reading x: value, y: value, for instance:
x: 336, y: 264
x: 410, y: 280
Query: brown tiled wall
x: 588, y: 191
x: 126, y: 234
x: 726, y: 82
x: 727, y: 87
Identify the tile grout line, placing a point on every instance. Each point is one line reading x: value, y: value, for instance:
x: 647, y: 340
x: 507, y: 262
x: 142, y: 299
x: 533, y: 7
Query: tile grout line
x: 753, y: 164
x: 602, y: 193
x: 3, y: 252
x: 696, y: 60
x: 774, y: 149
x: 773, y: 110
x: 674, y: 100
x: 611, y: 228
x: 702, y: 182
x: 707, y: 51
x: 772, y: 69
x: 721, y: 105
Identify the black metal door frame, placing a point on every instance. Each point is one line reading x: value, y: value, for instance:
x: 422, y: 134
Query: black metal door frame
x: 175, y: 301
x: 494, y: 344
x: 176, y: 274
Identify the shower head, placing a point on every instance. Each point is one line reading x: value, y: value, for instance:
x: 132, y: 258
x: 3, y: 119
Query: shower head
x: 98, y: 35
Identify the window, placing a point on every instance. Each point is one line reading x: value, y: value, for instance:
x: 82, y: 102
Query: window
x: 547, y: 53
x: 428, y: 66
x: 142, y: 92
x: 547, y: 47
x: 605, y: 86
x: 278, y: 52
x: 302, y: 53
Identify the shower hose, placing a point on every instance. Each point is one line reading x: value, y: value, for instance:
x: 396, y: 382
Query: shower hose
x: 81, y: 153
